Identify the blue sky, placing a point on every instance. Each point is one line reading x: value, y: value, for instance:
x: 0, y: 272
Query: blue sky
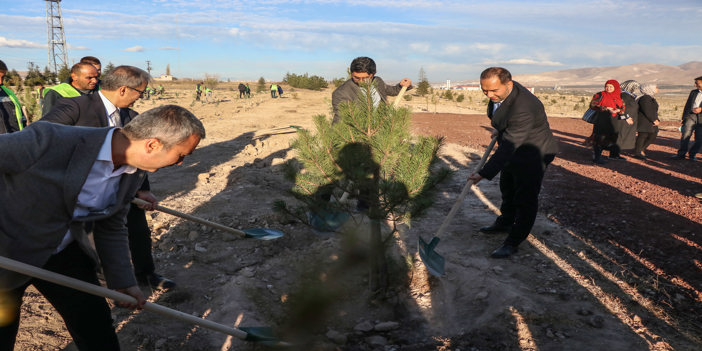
x: 244, y: 40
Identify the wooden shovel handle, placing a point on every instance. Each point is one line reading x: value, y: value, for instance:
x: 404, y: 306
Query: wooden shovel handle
x: 399, y: 96
x: 97, y: 290
x: 138, y: 201
x: 466, y: 188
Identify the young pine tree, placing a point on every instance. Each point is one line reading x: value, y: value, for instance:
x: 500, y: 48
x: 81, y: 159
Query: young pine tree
x: 369, y: 155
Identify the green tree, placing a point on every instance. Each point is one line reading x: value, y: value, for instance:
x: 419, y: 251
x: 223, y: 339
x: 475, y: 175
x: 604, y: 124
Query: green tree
x: 423, y: 87
x: 305, y: 81
x: 50, y: 76
x: 422, y: 75
x: 12, y: 78
x: 29, y: 101
x: 261, y: 86
x: 34, y: 76
x: 370, y: 154
x: 63, y: 73
x: 168, y: 69
x: 448, y: 95
x: 108, y: 68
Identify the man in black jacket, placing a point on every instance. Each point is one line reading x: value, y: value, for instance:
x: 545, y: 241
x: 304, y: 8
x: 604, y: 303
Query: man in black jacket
x: 691, y: 123
x: 526, y: 147
x: 110, y: 107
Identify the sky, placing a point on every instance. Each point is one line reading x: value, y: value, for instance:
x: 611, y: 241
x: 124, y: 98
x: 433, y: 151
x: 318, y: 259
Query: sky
x: 448, y: 40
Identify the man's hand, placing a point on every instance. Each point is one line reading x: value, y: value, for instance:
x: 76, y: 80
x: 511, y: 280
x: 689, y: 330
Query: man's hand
x: 475, y: 178
x: 149, y: 197
x: 696, y: 109
x: 656, y: 122
x: 406, y: 82
x: 629, y: 121
x: 136, y: 293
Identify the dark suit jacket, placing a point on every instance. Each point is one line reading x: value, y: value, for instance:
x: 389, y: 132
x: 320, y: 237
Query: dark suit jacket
x: 648, y: 113
x: 43, y: 169
x: 87, y: 111
x: 524, y: 133
x: 349, y: 91
x: 687, y: 111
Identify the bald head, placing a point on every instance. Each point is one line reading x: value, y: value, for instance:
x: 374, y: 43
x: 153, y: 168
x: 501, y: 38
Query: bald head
x: 84, y: 76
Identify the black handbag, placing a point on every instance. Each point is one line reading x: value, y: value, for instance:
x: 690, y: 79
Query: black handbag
x: 589, y: 116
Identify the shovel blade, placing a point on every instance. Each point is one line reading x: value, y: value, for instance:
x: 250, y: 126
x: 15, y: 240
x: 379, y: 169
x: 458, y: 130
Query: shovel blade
x: 262, y: 335
x: 262, y: 233
x: 431, y: 259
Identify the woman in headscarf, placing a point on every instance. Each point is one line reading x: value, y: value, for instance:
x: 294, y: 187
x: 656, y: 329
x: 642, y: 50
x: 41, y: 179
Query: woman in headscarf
x: 609, y: 106
x: 625, y: 126
x: 648, y: 120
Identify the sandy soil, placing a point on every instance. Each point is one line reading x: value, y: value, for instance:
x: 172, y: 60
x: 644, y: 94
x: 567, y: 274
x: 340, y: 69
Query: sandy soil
x: 613, y: 263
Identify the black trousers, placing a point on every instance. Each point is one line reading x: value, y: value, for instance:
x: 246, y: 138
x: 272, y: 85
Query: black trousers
x: 87, y: 317
x: 140, y: 241
x: 643, y: 140
x: 520, y: 185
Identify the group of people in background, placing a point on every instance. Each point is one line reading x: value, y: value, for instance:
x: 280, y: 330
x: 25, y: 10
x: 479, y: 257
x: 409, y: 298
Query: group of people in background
x: 626, y: 118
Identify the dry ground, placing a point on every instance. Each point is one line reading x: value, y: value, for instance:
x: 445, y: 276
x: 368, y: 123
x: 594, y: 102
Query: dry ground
x: 613, y: 262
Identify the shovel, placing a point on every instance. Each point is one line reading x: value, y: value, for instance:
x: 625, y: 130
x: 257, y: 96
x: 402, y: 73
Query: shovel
x: 432, y: 260
x: 399, y: 96
x: 256, y: 233
x: 261, y: 335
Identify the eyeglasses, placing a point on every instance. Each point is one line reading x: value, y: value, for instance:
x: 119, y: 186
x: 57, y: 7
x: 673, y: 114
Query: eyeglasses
x: 141, y: 92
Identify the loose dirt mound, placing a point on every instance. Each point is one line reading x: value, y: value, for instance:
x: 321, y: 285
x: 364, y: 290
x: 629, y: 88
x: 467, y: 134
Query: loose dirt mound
x: 613, y: 262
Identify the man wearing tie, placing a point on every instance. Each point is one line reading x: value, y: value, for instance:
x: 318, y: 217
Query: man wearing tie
x: 110, y: 107
x: 526, y: 147
x: 691, y: 123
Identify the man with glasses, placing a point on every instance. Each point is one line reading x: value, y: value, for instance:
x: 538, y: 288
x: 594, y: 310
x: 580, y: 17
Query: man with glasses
x: 363, y: 70
x: 110, y: 107
x: 83, y: 80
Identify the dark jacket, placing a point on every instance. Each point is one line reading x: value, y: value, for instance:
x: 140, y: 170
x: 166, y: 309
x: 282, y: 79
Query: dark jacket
x: 626, y: 133
x: 648, y: 113
x: 524, y: 133
x: 349, y: 91
x: 687, y: 111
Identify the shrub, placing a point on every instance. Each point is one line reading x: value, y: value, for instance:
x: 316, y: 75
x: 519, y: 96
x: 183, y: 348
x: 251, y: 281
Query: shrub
x: 423, y: 88
x: 407, y: 97
x: 305, y: 81
x: 460, y: 98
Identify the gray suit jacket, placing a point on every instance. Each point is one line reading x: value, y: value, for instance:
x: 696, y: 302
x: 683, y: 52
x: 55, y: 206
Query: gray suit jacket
x: 43, y: 170
x: 349, y: 91
x: 687, y: 111
x: 524, y: 132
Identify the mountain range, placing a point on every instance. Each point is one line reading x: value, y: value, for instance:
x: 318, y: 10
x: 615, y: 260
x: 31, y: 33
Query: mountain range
x: 642, y: 72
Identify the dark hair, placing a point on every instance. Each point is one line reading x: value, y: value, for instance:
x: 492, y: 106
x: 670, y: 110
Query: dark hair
x: 698, y: 78
x: 3, y: 66
x: 500, y: 72
x: 127, y: 76
x: 79, y: 67
x: 363, y: 65
x: 91, y: 60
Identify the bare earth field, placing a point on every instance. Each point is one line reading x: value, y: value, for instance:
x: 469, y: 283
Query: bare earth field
x: 614, y: 261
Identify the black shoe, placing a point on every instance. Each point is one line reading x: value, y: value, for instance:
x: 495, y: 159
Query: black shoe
x: 617, y: 157
x: 156, y: 281
x: 641, y: 157
x: 504, y: 251
x: 694, y: 158
x: 496, y: 228
x: 677, y: 157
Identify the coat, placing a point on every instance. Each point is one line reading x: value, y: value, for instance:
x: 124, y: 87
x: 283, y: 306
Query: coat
x: 648, y: 113
x: 350, y: 91
x: 687, y: 111
x: 524, y: 134
x: 43, y: 170
x: 626, y: 133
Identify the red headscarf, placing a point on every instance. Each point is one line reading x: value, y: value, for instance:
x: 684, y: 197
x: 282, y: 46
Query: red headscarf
x: 613, y: 99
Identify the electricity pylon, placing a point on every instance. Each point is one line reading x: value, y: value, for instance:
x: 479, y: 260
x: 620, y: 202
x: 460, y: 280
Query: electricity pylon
x: 56, y: 36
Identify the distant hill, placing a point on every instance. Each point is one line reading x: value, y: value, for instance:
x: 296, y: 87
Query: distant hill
x: 643, y: 72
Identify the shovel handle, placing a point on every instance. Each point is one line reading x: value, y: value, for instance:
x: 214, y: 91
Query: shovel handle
x: 466, y: 188
x: 138, y: 201
x: 399, y: 96
x: 97, y: 290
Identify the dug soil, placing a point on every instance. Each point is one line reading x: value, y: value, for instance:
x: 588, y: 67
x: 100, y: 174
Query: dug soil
x: 614, y: 261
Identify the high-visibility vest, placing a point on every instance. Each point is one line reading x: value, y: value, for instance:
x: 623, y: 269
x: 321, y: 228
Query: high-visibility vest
x: 15, y: 101
x: 64, y: 89
x: 274, y: 87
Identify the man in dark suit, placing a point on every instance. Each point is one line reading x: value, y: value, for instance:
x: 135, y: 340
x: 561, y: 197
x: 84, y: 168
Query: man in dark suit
x: 363, y: 70
x: 56, y: 179
x: 110, y: 107
x: 526, y: 147
x: 691, y: 123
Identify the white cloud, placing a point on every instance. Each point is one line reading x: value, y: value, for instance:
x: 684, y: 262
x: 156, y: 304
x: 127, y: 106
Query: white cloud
x: 420, y: 47
x: 19, y: 43
x: 168, y: 48
x: 234, y: 31
x: 77, y: 47
x: 524, y: 61
x: 137, y: 48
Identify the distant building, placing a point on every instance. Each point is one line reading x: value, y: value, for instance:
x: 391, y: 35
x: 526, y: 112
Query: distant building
x: 165, y: 78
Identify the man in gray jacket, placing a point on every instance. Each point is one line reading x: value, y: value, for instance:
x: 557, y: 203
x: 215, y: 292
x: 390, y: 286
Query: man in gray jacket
x: 363, y: 70
x: 691, y: 124
x: 55, y: 179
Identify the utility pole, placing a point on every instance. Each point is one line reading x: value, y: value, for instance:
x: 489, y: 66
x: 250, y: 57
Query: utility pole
x: 56, y: 37
x: 148, y: 66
